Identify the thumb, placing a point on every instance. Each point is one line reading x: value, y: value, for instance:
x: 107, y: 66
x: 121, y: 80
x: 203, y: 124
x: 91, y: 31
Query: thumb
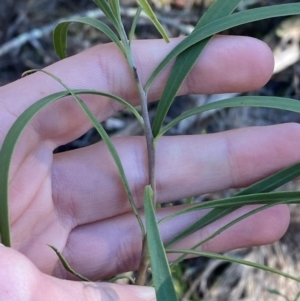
x: 21, y: 280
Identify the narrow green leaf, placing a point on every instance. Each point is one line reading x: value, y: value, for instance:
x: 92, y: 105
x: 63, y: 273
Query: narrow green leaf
x: 115, y: 7
x: 235, y: 260
x: 67, y: 266
x: 274, y: 181
x: 116, y: 158
x: 151, y: 15
x: 207, y: 219
x: 222, y: 24
x: 265, y: 185
x: 281, y: 103
x: 223, y: 207
x: 275, y: 292
x: 222, y: 229
x: 60, y: 39
x: 106, y: 139
x: 103, y: 5
x: 183, y: 65
x: 164, y: 287
x: 297, y: 297
x: 187, y: 59
x: 120, y: 100
x: 219, y: 9
x: 288, y: 197
x: 11, y: 140
x: 6, y: 152
x: 60, y: 33
x: 134, y: 24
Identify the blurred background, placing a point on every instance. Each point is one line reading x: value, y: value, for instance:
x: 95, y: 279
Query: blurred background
x: 26, y: 42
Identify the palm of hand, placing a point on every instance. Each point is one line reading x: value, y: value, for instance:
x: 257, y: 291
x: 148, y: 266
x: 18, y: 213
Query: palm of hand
x: 76, y: 201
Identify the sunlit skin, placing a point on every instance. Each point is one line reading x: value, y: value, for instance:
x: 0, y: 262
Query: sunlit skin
x: 76, y: 201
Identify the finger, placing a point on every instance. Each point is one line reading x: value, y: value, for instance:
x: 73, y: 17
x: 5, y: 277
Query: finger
x: 221, y: 68
x: 21, y: 280
x: 91, y: 247
x: 186, y: 166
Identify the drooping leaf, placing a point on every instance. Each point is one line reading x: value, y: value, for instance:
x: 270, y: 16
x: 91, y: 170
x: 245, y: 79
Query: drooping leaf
x: 67, y: 266
x: 11, y: 140
x: 162, y: 278
x: 106, y: 139
x: 60, y: 33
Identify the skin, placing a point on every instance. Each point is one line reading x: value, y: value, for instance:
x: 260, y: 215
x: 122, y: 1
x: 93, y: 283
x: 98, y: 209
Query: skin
x: 76, y: 202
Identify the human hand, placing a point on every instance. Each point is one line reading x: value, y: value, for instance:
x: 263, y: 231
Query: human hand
x: 76, y: 201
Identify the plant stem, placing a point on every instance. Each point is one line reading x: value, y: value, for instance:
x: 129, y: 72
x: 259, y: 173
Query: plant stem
x: 142, y: 271
x: 148, y: 135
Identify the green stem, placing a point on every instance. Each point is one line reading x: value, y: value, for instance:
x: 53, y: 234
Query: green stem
x: 142, y: 271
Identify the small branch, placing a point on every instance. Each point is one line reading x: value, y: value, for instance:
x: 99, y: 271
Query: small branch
x: 148, y: 134
x: 145, y: 113
x: 142, y: 271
